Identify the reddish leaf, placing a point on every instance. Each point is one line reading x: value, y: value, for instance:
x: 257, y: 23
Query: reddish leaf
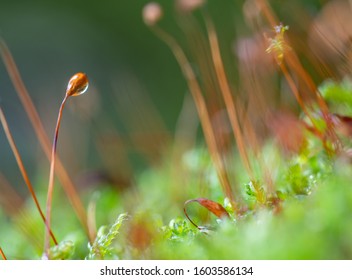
x: 217, y: 209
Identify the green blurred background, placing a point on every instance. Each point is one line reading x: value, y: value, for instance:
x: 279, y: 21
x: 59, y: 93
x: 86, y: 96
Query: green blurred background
x: 52, y: 40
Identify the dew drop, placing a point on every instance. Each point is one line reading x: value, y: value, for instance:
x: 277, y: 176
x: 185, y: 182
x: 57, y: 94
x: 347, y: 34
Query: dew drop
x: 77, y: 85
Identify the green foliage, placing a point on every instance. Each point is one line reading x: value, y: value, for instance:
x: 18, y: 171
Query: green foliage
x: 63, y: 251
x: 179, y: 230
x: 298, y: 180
x: 307, y: 216
x: 104, y: 238
x: 337, y: 93
x: 310, y: 227
x: 255, y: 193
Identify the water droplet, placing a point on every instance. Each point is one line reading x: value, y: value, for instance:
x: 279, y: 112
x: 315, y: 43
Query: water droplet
x: 77, y: 85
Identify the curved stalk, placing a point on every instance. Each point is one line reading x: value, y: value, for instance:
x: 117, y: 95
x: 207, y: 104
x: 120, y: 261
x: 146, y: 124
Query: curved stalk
x: 77, y: 85
x: 22, y: 169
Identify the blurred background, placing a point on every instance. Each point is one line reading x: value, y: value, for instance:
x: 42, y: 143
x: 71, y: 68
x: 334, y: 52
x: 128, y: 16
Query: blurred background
x: 138, y: 114
x: 126, y: 65
x: 133, y: 105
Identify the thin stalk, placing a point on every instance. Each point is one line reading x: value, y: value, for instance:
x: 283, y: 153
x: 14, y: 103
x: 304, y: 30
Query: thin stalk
x: 51, y: 177
x: 2, y: 254
x: 185, y: 211
x: 203, y: 113
x: 22, y: 168
x: 293, y: 62
x: 252, y: 139
x: 77, y: 85
x: 92, y: 218
x: 268, y: 13
x: 9, y: 198
x: 294, y: 89
x: 37, y: 124
x: 316, y: 131
x: 199, y: 50
x: 258, y: 105
x: 226, y: 93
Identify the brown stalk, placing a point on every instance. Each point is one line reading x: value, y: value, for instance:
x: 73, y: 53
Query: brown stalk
x: 37, y: 124
x: 258, y: 107
x: 300, y: 101
x: 2, y: 254
x: 51, y: 176
x: 298, y: 97
x: 92, y: 218
x: 200, y: 51
x: 294, y: 89
x: 268, y: 13
x: 226, y: 93
x: 293, y: 61
x: 9, y: 198
x: 201, y: 106
x: 253, y: 142
x: 77, y: 85
x: 22, y: 169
